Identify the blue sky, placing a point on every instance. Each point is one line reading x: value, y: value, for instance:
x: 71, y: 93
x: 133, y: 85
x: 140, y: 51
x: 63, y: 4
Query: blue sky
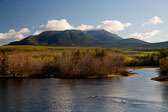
x: 20, y: 18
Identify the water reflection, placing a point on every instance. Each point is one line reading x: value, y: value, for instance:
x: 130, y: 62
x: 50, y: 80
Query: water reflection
x: 164, y: 89
x: 134, y: 93
x: 60, y: 97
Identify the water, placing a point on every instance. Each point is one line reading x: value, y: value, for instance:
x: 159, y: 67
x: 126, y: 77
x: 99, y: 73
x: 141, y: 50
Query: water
x: 135, y: 93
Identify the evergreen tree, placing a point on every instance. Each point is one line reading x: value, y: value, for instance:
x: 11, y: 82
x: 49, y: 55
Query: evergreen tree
x: 163, y: 52
x: 4, y: 64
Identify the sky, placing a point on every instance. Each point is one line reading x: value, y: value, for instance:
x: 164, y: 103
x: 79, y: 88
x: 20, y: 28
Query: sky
x: 142, y: 19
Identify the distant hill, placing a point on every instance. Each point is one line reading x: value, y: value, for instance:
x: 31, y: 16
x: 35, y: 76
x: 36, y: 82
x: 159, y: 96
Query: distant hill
x: 157, y: 45
x: 97, y: 38
x: 132, y: 42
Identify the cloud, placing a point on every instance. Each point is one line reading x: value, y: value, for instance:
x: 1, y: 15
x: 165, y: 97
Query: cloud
x: 14, y: 34
x: 154, y: 20
x: 57, y: 25
x: 113, y: 25
x: 37, y: 32
x: 24, y: 31
x: 85, y: 27
x: 146, y: 35
x: 109, y: 25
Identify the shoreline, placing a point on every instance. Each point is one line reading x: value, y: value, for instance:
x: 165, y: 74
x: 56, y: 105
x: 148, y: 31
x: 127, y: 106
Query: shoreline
x: 140, y: 67
x: 160, y: 78
x: 124, y: 73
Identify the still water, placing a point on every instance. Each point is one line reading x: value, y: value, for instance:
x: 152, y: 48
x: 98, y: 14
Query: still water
x: 135, y: 93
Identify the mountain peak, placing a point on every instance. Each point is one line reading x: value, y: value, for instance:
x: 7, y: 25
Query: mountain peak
x: 104, y: 35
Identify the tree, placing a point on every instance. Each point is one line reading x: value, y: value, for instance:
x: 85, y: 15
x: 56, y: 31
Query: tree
x: 164, y: 65
x: 100, y: 53
x: 163, y: 52
x: 4, y: 64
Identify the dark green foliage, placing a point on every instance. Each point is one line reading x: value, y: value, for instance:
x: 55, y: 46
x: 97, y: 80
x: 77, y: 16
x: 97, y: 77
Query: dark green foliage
x: 148, y: 60
x: 164, y: 66
x: 100, y: 53
x: 145, y: 60
x: 163, y: 52
x: 4, y: 64
x: 77, y: 53
x: 147, y: 49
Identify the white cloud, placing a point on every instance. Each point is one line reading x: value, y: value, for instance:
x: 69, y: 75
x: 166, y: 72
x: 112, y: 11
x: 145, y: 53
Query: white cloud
x: 57, y: 25
x: 85, y: 27
x: 146, y: 35
x: 113, y: 25
x: 109, y: 25
x: 154, y: 20
x: 14, y: 34
x: 37, y: 32
x: 24, y: 31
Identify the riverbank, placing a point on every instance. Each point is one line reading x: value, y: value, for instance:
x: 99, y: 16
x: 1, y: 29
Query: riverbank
x: 123, y: 73
x: 161, y: 78
x: 158, y: 78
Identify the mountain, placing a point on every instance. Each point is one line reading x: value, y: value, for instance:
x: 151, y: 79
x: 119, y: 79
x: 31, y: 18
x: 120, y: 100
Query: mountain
x: 70, y: 38
x: 59, y: 38
x: 98, y: 38
x: 104, y: 35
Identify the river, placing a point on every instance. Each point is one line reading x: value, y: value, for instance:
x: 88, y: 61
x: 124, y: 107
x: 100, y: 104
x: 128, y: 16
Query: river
x: 136, y: 93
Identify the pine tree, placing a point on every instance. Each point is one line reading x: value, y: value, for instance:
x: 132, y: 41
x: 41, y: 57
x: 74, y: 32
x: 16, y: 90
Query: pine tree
x: 4, y: 64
